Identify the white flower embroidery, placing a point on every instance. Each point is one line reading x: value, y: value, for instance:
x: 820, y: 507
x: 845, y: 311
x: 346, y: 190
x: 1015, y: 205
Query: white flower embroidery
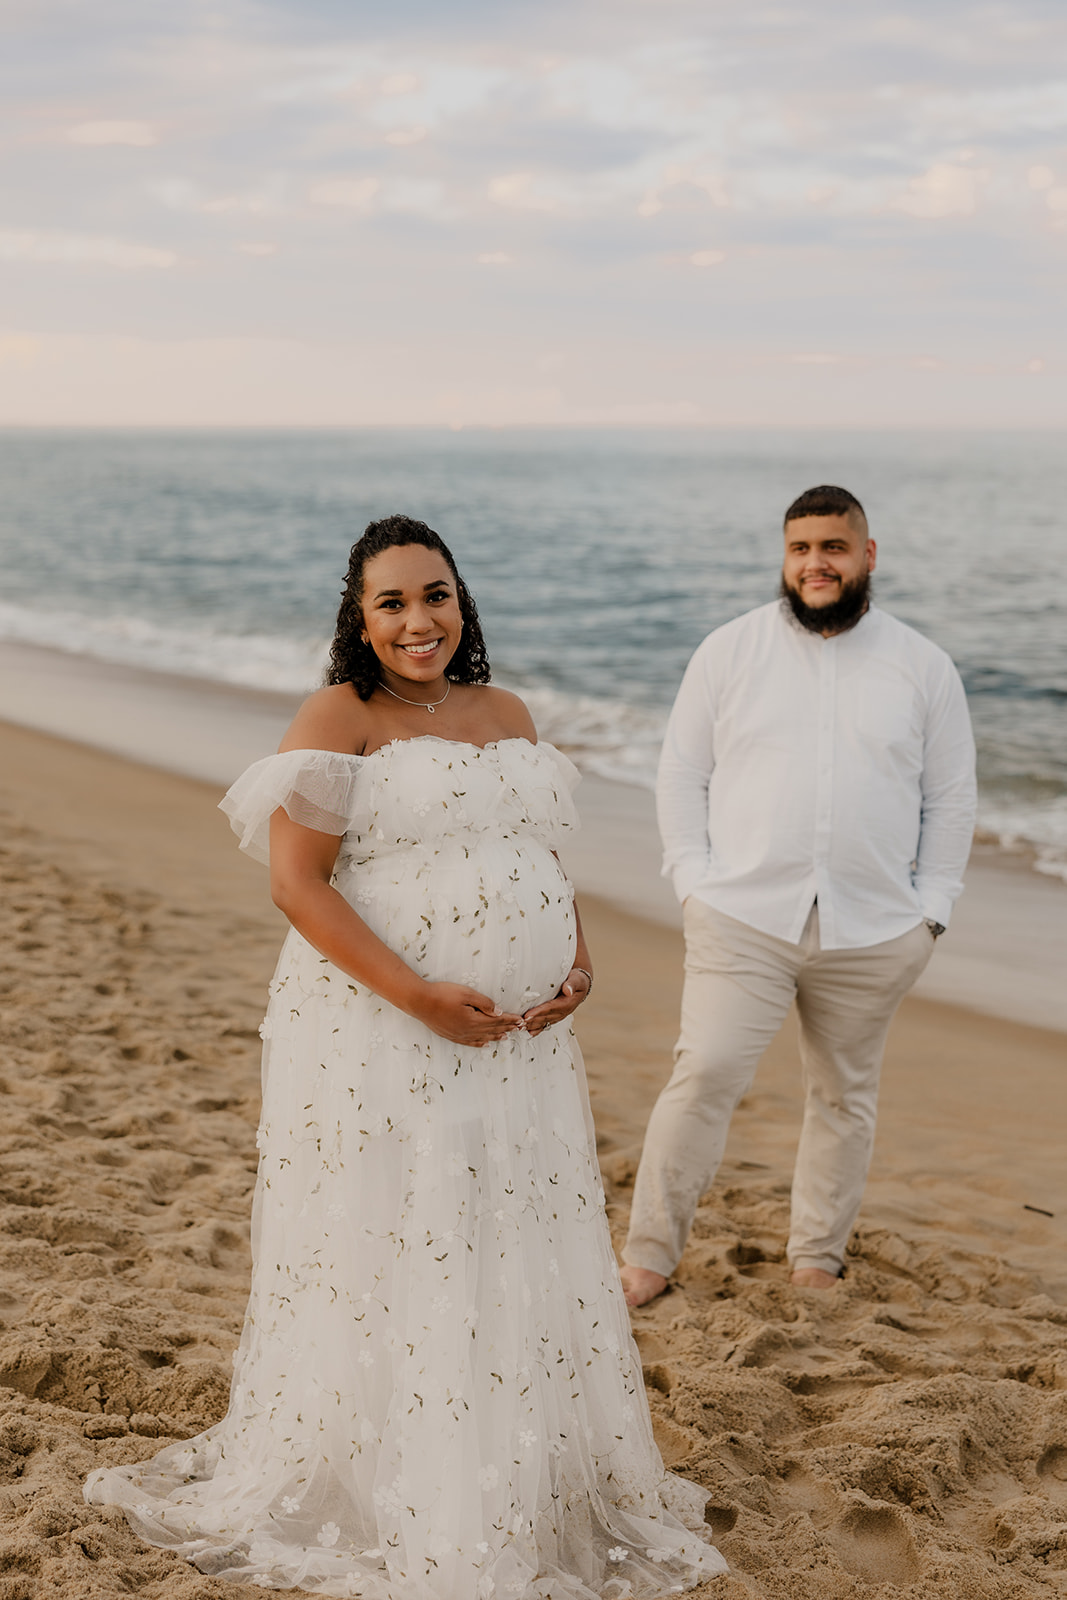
x: 470, y: 1317
x: 290, y: 1505
x: 391, y: 1496
x: 266, y: 1029
x: 657, y: 1555
x: 482, y: 1548
x: 262, y: 1581
x: 488, y: 1477
x: 617, y: 1553
x: 365, y: 1358
x: 527, y: 1438
x: 441, y: 1305
x: 328, y: 1535
x: 423, y: 1147
x: 335, y: 1212
x: 553, y: 1267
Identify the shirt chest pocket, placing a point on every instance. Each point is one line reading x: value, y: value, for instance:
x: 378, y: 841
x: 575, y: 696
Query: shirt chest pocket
x: 885, y: 712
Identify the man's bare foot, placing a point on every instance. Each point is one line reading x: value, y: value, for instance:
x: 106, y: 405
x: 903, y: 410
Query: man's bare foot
x: 640, y: 1285
x: 814, y: 1278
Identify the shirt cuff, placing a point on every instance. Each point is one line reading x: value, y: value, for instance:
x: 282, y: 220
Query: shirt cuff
x: 935, y: 906
x: 685, y: 876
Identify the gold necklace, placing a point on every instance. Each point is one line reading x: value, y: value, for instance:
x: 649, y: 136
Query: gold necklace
x: 429, y: 706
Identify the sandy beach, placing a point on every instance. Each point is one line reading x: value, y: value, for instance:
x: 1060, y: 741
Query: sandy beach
x: 903, y: 1435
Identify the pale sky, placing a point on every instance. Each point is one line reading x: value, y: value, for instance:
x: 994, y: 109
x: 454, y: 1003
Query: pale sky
x: 555, y: 212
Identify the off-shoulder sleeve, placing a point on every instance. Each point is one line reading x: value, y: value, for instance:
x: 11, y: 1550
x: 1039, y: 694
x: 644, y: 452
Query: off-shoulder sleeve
x: 568, y: 775
x: 565, y: 780
x: 316, y: 788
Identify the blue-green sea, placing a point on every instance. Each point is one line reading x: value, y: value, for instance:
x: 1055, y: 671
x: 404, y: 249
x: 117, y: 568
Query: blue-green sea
x: 598, y: 559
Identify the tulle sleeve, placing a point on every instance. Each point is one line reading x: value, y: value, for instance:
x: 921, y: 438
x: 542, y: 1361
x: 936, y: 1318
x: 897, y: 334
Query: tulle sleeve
x: 316, y: 788
x: 567, y: 780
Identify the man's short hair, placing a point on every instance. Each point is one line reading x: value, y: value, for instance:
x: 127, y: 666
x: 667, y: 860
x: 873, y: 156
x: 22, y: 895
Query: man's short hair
x: 829, y: 501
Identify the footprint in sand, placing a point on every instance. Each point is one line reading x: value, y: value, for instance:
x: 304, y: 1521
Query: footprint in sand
x: 1052, y: 1470
x: 873, y: 1542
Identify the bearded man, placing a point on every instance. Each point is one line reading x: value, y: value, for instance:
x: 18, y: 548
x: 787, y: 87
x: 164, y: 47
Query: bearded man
x: 816, y: 798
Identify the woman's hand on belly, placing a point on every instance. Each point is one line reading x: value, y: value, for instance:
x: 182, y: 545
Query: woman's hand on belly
x: 569, y: 997
x: 464, y: 1016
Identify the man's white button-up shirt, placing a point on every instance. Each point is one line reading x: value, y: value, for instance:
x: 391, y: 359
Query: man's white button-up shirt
x: 798, y: 768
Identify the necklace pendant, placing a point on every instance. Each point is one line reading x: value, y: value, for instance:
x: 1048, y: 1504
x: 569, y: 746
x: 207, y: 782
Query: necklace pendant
x: 430, y: 710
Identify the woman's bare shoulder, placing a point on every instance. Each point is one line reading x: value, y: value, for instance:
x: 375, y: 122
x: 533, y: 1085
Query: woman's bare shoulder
x: 333, y: 718
x: 508, y: 713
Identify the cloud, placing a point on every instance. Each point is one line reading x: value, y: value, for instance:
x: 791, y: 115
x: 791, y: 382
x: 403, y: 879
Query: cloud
x: 1040, y: 178
x: 81, y: 250
x: 356, y: 194
x: 18, y: 349
x: 135, y: 133
x: 944, y: 190
x: 600, y: 147
x: 399, y: 83
x: 181, y: 194
x: 684, y: 187
x: 521, y: 191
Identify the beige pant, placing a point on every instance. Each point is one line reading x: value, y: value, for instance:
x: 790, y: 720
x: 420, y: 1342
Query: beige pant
x: 739, y: 984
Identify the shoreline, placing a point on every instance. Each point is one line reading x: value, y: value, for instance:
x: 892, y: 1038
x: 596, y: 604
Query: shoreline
x: 1001, y: 956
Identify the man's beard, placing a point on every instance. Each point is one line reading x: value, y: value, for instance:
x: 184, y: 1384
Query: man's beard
x: 840, y: 615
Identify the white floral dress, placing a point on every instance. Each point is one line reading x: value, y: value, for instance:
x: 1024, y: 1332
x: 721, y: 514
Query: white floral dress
x: 436, y: 1395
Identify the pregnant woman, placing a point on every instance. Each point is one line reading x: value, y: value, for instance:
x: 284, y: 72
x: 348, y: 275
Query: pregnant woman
x: 436, y: 1396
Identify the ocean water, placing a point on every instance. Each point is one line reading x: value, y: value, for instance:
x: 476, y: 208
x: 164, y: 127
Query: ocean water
x: 599, y: 560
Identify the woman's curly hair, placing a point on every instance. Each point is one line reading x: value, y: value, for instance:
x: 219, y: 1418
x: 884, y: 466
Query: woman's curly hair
x: 351, y: 660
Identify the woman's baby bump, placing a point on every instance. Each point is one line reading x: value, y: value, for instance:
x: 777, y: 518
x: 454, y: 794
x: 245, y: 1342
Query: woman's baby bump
x: 497, y: 915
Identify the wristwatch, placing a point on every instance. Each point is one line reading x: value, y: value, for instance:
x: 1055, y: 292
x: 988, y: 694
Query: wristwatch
x: 936, y: 928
